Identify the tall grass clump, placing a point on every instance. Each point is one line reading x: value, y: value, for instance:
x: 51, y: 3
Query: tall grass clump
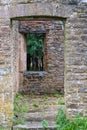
x: 78, y: 122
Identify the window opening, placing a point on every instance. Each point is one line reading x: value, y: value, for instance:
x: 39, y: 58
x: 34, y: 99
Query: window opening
x: 35, y: 50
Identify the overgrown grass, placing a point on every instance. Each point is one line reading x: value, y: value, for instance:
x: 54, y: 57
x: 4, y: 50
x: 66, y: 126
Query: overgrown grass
x: 78, y: 123
x: 20, y: 108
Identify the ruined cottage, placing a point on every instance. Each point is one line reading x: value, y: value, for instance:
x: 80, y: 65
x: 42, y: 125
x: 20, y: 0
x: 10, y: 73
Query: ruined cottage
x: 63, y: 66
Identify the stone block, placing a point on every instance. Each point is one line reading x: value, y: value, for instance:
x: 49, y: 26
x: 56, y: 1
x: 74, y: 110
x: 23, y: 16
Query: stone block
x: 4, y: 12
x: 71, y: 2
x: 83, y: 90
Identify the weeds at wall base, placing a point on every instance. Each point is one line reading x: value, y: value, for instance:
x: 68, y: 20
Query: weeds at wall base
x: 78, y: 123
x: 20, y: 108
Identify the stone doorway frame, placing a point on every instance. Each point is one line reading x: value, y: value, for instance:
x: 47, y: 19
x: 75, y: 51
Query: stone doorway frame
x: 19, y: 35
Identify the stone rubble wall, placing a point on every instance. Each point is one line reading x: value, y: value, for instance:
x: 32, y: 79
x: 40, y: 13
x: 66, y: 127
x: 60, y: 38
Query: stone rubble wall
x: 75, y: 51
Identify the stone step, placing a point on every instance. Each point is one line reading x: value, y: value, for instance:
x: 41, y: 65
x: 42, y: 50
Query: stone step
x: 39, y: 109
x: 35, y: 126
x: 49, y: 113
x: 46, y: 108
x: 39, y: 116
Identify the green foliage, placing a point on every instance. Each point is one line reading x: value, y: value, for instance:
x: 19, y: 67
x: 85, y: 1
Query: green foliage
x: 2, y: 129
x: 35, y: 52
x: 44, y: 124
x: 35, y: 45
x: 78, y: 123
x: 57, y: 95
x: 35, y: 105
x: 20, y: 108
x: 61, y: 102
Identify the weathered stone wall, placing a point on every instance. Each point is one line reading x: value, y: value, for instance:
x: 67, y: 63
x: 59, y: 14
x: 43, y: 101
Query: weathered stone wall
x: 6, y: 84
x: 76, y: 62
x: 15, y: 41
x: 51, y: 80
x: 75, y: 50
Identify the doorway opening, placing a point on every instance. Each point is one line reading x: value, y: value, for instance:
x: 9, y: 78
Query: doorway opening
x: 42, y: 84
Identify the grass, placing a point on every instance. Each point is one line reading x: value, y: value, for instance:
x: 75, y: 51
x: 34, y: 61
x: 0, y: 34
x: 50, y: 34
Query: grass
x: 58, y: 95
x: 21, y: 103
x: 44, y: 124
x: 78, y: 123
x: 61, y: 102
x: 20, y: 108
x: 4, y: 128
x: 35, y: 105
x: 62, y: 122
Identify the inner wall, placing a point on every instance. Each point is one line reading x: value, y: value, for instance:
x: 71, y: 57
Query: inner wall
x: 51, y: 80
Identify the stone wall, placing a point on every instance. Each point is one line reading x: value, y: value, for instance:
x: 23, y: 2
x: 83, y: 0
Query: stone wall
x: 76, y: 62
x: 15, y: 41
x: 6, y: 84
x: 75, y: 50
x: 51, y: 80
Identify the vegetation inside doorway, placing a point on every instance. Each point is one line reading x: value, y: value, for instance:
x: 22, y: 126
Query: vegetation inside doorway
x: 43, y: 108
